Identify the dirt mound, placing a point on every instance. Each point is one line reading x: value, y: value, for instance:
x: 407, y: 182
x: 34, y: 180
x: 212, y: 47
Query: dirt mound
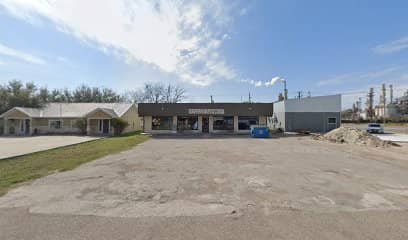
x: 353, y: 136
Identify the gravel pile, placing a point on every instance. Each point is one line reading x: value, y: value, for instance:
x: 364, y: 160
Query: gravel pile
x: 353, y: 136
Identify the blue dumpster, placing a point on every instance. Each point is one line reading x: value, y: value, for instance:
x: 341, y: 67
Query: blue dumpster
x: 259, y: 132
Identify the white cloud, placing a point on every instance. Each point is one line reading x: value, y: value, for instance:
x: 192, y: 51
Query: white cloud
x: 273, y: 81
x: 253, y: 82
x: 392, y: 47
x: 10, y: 52
x: 383, y: 74
x: 269, y: 83
x: 61, y: 59
x: 180, y: 37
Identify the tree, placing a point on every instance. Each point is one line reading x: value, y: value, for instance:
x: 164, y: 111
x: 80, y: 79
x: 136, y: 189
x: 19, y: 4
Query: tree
x: 157, y: 93
x: 82, y: 125
x: 110, y: 96
x: 119, y: 125
x: 82, y: 93
x: 16, y: 94
x: 174, y: 94
x: 44, y: 95
x: 136, y: 96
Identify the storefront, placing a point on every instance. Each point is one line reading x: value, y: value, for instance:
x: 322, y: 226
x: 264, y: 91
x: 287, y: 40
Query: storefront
x: 203, y: 117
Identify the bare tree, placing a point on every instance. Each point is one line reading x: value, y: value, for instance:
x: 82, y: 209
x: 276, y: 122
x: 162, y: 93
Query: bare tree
x: 157, y: 93
x: 174, y: 94
x: 154, y: 92
x: 136, y: 96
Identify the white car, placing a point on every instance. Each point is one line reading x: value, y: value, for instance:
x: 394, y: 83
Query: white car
x: 375, y: 128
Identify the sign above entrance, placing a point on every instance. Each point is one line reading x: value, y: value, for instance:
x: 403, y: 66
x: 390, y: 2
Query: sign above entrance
x: 203, y: 111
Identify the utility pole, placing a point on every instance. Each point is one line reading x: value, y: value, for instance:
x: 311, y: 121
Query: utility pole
x: 249, y: 97
x: 391, y: 94
x: 212, y: 100
x: 299, y: 94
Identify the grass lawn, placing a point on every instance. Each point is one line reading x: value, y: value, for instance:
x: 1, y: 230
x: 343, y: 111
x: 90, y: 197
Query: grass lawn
x: 14, y: 171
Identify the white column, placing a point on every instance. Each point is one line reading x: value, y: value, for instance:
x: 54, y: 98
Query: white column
x: 88, y: 126
x: 174, y: 128
x: 236, y: 124
x: 31, y: 126
x: 262, y: 120
x: 111, y: 131
x: 210, y: 124
x: 21, y: 123
x: 6, y: 129
x: 200, y: 123
x: 147, y: 124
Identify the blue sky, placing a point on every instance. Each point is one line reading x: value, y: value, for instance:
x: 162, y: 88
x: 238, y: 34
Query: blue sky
x: 220, y: 48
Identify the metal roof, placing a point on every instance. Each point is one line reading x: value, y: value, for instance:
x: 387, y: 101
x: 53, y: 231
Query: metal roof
x: 73, y: 110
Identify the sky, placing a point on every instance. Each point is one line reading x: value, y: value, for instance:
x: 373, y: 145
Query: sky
x: 226, y: 49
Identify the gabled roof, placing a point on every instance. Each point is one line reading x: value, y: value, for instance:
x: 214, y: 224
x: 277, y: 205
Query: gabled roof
x: 108, y: 111
x: 73, y: 110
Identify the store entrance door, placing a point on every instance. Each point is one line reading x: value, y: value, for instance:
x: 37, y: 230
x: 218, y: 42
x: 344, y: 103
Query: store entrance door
x: 205, y: 128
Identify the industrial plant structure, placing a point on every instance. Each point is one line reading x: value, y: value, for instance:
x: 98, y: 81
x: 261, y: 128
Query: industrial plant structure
x: 388, y: 107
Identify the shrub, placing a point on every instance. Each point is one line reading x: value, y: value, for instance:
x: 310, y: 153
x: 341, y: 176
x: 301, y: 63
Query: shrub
x: 12, y: 130
x: 119, y: 125
x: 81, y: 124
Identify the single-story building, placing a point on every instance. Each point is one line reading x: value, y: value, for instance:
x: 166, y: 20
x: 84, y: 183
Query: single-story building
x: 314, y: 114
x: 65, y: 118
x: 203, y: 117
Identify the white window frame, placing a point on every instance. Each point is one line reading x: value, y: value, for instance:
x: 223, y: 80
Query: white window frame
x: 55, y: 120
x: 330, y: 122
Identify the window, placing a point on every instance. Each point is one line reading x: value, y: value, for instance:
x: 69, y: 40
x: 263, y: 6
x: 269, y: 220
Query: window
x: 187, y: 123
x: 223, y: 123
x: 55, y: 124
x: 162, y: 123
x: 332, y: 120
x: 244, y: 123
x: 73, y: 123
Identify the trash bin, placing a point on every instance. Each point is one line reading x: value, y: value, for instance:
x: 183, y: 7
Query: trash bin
x: 259, y: 132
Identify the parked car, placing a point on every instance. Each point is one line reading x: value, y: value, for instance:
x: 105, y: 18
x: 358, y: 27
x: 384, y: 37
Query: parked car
x: 375, y: 128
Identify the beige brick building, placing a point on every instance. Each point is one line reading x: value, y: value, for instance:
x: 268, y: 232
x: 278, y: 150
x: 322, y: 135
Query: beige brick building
x: 63, y: 118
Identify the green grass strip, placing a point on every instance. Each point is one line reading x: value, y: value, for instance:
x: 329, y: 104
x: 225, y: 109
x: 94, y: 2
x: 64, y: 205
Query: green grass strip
x: 16, y: 170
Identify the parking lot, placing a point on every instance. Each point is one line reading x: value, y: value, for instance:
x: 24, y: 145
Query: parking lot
x: 15, y: 146
x: 227, y: 182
